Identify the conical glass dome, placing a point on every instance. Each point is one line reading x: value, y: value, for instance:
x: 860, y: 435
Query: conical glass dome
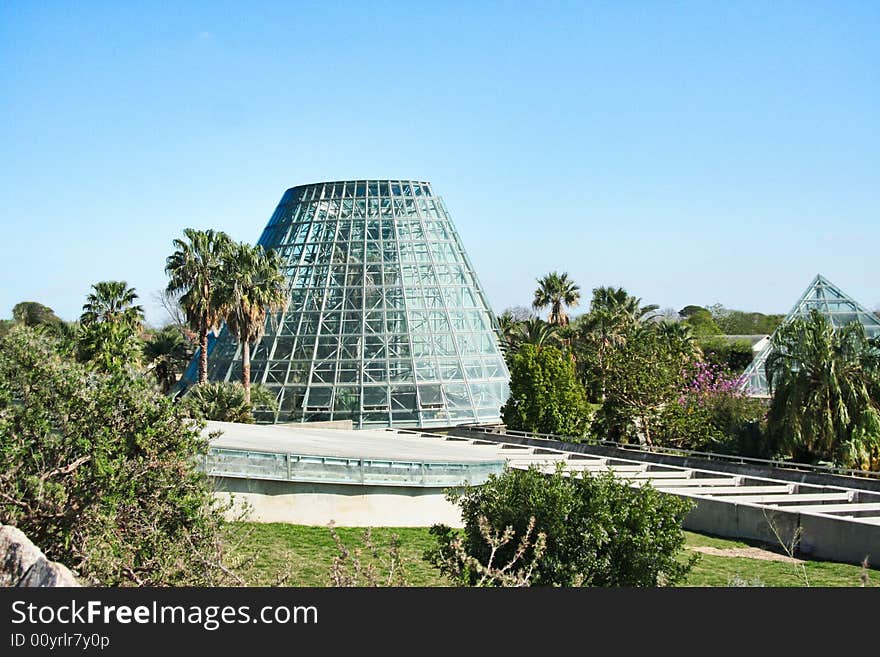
x: 386, y: 324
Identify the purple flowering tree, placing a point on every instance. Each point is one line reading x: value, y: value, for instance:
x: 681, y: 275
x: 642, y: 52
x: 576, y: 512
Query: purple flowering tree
x: 711, y: 410
x: 705, y: 381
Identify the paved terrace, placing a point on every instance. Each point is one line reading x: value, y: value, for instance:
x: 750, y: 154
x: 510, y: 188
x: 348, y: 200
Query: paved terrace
x: 339, y: 456
x: 837, y: 522
x: 356, y: 444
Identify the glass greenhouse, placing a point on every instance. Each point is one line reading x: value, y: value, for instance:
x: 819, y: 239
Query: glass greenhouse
x: 828, y: 299
x: 386, y: 323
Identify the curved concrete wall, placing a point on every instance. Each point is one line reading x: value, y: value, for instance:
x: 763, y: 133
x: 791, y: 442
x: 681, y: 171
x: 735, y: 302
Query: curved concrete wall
x: 345, y: 505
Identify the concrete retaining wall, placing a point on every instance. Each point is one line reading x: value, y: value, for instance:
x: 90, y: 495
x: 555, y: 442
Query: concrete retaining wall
x: 821, y: 536
x: 345, y: 505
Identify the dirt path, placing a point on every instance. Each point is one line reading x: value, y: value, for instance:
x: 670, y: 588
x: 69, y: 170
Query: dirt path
x: 748, y: 553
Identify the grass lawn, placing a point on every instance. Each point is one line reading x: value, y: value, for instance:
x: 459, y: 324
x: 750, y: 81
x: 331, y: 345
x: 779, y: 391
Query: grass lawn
x: 712, y: 570
x: 307, y: 553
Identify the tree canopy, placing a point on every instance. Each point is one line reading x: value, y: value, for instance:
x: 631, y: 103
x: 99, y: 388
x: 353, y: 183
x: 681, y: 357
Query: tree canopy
x: 825, y: 385
x: 545, y: 395
x: 558, y: 292
x: 31, y: 313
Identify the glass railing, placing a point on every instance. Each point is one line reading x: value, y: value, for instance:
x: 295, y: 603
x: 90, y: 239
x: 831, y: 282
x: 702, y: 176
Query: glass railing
x: 246, y: 464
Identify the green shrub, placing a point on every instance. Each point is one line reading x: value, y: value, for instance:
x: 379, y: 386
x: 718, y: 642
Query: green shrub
x: 724, y: 423
x: 599, y: 531
x: 99, y: 470
x: 545, y: 395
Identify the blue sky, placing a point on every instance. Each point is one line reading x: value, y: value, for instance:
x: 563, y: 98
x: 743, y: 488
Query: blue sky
x: 692, y: 152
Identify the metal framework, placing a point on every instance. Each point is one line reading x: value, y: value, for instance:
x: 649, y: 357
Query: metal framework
x: 386, y: 325
x: 828, y: 299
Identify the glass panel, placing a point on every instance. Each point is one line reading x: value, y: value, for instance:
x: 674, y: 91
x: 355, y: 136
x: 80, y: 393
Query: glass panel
x: 430, y: 396
x: 403, y: 398
x: 319, y: 398
x: 347, y: 399
x: 375, y: 397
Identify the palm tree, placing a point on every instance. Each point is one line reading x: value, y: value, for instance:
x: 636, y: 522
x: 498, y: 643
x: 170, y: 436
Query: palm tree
x: 113, y: 302
x: 108, y: 336
x: 680, y: 338
x: 167, y: 352
x: 253, y: 286
x: 821, y: 380
x: 225, y: 402
x: 537, y: 332
x: 614, y: 313
x: 194, y: 270
x: 557, y: 291
x: 618, y: 302
x: 109, y: 346
x: 509, y: 330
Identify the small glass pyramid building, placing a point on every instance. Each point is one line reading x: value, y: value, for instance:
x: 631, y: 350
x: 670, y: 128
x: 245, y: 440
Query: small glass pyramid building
x: 828, y: 299
x: 386, y: 323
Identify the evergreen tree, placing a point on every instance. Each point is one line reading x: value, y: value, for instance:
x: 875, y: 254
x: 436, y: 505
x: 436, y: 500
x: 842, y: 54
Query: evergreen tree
x: 545, y: 396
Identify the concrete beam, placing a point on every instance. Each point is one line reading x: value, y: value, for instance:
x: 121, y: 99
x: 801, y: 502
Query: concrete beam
x: 698, y: 482
x: 724, y: 490
x: 531, y: 457
x: 651, y: 475
x: 840, y: 508
x: 794, y: 498
x: 587, y: 463
x: 615, y: 468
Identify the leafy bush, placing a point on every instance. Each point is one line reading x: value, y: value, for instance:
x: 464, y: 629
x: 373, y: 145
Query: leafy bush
x: 712, y: 415
x: 726, y: 424
x: 599, y: 531
x: 226, y: 402
x: 100, y: 471
x: 545, y: 395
